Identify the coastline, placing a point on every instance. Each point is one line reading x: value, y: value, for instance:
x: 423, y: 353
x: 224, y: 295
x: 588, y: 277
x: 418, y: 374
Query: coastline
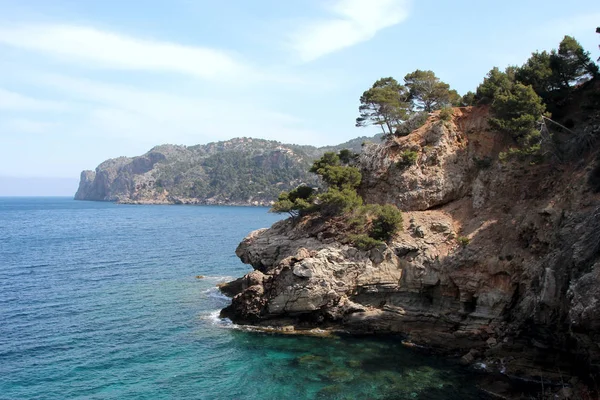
x: 185, y: 201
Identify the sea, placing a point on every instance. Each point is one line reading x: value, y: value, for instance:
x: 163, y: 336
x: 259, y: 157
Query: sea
x: 102, y: 301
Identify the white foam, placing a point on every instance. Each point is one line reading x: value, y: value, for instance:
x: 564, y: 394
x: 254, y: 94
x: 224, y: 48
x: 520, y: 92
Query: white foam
x: 215, y: 293
x: 214, y: 318
x: 218, y: 279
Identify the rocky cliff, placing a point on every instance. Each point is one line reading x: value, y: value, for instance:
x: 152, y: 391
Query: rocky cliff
x: 241, y: 171
x: 498, y: 262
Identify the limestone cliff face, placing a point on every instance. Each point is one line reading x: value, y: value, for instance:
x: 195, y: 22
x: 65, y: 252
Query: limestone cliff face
x: 523, y: 294
x: 121, y: 178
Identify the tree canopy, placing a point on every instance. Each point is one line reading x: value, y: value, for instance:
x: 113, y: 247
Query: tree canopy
x: 385, y: 104
x: 517, y: 113
x: 428, y: 92
x: 334, y: 174
x: 495, y: 83
x: 571, y: 63
x: 553, y: 74
x: 340, y: 195
x: 294, y: 202
x: 519, y: 96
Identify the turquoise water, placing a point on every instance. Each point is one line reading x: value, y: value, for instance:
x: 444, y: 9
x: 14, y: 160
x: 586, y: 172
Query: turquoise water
x: 100, y: 301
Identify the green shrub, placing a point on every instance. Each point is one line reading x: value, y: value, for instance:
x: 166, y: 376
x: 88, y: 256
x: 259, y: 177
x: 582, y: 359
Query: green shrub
x: 328, y: 159
x: 364, y: 242
x: 334, y: 174
x: 297, y: 202
x: 468, y: 99
x: 517, y: 112
x: 446, y: 113
x: 463, y: 240
x: 531, y: 153
x: 301, y: 192
x: 359, y: 219
x: 341, y: 177
x: 337, y: 202
x: 347, y: 156
x: 387, y: 221
x: 407, y: 158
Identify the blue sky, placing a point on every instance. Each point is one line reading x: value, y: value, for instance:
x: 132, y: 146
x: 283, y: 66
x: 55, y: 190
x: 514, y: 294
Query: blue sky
x: 86, y: 80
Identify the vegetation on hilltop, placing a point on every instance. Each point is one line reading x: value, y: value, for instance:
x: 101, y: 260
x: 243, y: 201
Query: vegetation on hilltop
x: 521, y: 99
x: 390, y: 104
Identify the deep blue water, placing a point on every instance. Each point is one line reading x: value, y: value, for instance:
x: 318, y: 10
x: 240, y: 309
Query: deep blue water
x: 100, y: 301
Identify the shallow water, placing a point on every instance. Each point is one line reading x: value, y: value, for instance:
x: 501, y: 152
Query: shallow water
x: 100, y: 301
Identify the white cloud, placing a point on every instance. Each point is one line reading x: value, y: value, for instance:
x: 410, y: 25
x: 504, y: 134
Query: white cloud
x: 15, y: 101
x: 159, y: 117
x: 98, y: 48
x: 353, y: 22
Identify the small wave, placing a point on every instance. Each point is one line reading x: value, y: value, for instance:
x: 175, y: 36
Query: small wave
x: 214, y: 318
x: 215, y: 293
x: 217, y: 279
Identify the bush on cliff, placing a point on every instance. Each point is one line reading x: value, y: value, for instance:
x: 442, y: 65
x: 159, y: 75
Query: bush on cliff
x: 337, y: 202
x: 377, y: 222
x: 364, y: 242
x: 334, y: 174
x: 387, y: 221
x: 446, y: 113
x: 340, y: 177
x: 370, y: 224
x: 296, y: 202
x: 340, y: 196
x: 407, y: 158
x: 347, y: 156
x: 517, y: 113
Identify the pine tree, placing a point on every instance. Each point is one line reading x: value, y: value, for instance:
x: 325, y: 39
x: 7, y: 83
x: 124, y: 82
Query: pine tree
x: 384, y: 104
x: 428, y: 93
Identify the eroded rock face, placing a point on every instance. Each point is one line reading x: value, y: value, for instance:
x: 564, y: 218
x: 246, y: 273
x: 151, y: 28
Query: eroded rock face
x: 448, y: 153
x: 520, y: 290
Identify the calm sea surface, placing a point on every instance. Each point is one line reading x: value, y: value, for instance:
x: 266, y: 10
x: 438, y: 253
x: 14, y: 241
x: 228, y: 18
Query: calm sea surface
x: 100, y: 301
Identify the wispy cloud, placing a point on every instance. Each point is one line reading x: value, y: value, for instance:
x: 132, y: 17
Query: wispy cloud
x: 10, y: 100
x: 112, y: 50
x: 157, y: 117
x: 352, y: 22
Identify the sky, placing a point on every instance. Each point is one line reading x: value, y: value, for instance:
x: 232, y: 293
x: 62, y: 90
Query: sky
x: 82, y: 81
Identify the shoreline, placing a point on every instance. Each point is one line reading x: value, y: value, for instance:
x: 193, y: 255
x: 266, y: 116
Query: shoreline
x: 179, y: 203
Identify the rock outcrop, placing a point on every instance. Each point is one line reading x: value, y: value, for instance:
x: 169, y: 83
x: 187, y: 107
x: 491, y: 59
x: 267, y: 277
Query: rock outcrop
x: 519, y: 291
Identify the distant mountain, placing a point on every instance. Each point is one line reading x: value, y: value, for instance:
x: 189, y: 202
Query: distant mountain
x: 240, y: 171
